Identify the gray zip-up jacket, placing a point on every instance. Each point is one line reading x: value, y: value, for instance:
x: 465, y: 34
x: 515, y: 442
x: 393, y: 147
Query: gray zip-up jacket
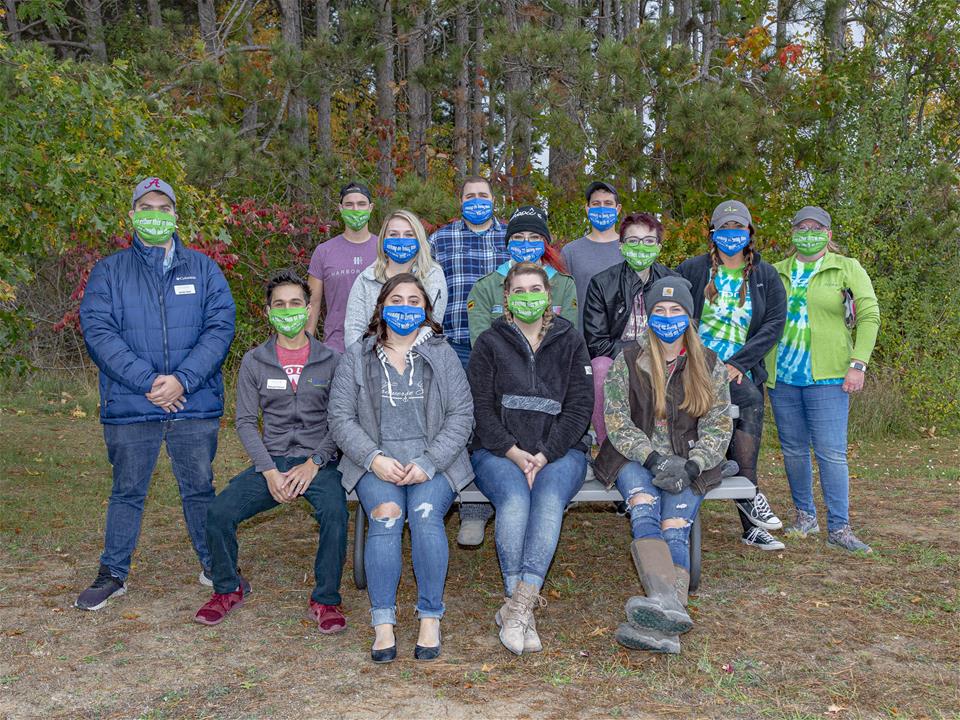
x: 355, y: 411
x: 363, y: 300
x: 295, y: 424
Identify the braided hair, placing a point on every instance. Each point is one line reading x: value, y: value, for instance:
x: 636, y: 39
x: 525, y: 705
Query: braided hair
x: 749, y: 259
x: 528, y: 268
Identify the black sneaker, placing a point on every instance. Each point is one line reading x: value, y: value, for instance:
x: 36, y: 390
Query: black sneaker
x: 758, y: 537
x: 758, y: 512
x: 104, y: 587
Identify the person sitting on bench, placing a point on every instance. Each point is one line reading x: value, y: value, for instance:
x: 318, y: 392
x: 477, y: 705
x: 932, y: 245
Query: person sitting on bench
x: 401, y: 412
x: 533, y: 395
x: 668, y: 428
x: 287, y: 381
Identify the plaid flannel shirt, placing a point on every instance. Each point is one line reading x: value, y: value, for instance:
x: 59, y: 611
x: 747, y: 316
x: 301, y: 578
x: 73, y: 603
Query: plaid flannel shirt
x: 466, y: 256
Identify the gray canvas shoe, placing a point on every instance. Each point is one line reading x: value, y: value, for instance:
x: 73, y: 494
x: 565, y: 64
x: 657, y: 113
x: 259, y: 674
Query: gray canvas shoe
x: 804, y: 524
x: 844, y: 539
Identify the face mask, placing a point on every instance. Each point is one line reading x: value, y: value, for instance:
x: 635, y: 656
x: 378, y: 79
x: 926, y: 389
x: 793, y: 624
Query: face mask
x: 526, y: 250
x: 403, y: 319
x: 355, y: 219
x: 810, y: 242
x: 639, y: 256
x: 477, y: 210
x: 401, y: 249
x: 668, y: 329
x: 730, y: 241
x: 602, y: 218
x: 153, y: 226
x: 288, y: 321
x: 528, y: 307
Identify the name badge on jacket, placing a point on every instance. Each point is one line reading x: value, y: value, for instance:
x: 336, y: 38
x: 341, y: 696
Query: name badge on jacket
x: 185, y: 289
x: 276, y: 384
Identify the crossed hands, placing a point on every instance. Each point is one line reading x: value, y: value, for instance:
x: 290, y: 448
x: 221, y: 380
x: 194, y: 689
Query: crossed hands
x: 390, y: 470
x: 287, y: 486
x: 167, y: 394
x: 529, y: 464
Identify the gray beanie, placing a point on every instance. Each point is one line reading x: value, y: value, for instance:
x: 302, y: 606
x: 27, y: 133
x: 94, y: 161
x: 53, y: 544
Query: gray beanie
x: 673, y: 288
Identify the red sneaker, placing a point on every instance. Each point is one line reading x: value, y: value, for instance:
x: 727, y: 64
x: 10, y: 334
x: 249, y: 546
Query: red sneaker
x: 330, y: 619
x: 218, y: 607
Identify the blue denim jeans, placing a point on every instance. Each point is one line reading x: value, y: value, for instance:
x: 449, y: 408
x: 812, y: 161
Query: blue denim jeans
x: 248, y: 495
x: 528, y: 521
x: 648, y: 515
x: 133, y: 451
x: 815, y: 415
x: 423, y: 506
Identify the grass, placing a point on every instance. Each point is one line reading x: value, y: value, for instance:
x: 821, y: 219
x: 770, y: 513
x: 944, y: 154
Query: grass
x: 778, y: 635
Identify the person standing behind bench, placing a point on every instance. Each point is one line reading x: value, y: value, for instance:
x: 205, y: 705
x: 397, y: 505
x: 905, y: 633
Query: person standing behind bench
x: 816, y: 368
x: 598, y: 249
x: 401, y: 413
x: 287, y: 380
x: 466, y: 250
x: 668, y: 427
x: 533, y: 394
x: 742, y: 308
x: 337, y: 262
x: 157, y: 319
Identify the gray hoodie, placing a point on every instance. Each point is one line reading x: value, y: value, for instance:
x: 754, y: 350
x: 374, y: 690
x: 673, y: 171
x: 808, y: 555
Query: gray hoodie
x: 363, y: 300
x: 355, y: 410
x: 294, y: 423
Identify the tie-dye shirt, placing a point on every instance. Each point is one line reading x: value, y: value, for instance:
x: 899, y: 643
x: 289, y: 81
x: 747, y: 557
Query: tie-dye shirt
x: 724, y: 322
x: 793, y: 353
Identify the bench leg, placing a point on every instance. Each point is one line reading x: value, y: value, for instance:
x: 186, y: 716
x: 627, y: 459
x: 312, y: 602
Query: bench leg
x: 695, y: 537
x: 359, y: 537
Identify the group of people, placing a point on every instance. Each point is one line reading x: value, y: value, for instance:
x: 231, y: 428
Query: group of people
x: 484, y: 354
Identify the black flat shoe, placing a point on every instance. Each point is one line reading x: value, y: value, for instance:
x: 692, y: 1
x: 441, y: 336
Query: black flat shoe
x: 385, y: 655
x: 427, y: 653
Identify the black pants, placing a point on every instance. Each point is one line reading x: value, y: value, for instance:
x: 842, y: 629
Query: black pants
x: 247, y: 495
x: 747, y: 430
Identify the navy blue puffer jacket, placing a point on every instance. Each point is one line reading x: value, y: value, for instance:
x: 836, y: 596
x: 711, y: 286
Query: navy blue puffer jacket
x: 139, y: 322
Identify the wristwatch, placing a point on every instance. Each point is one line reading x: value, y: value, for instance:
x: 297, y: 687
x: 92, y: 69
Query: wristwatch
x: 857, y: 365
x: 318, y: 459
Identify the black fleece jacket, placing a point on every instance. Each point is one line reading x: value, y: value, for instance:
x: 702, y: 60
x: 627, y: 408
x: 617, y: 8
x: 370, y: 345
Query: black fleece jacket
x: 540, y: 402
x: 768, y: 315
x: 609, y: 302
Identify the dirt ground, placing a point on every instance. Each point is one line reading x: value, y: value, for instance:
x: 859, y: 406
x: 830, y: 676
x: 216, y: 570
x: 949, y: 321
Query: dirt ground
x: 805, y: 633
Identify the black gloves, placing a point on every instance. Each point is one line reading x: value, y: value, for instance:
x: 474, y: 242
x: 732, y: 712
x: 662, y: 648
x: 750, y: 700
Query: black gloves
x: 671, y: 473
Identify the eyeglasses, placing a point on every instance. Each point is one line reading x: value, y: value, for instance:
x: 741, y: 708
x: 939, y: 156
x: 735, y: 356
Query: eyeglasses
x: 531, y: 237
x: 647, y: 240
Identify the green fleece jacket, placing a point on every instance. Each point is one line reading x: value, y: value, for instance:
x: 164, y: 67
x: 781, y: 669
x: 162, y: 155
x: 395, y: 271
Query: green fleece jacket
x: 832, y: 346
x: 485, y: 301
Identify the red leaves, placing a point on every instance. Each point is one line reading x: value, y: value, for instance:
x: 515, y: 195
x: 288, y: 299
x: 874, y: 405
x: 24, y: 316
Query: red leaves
x: 790, y: 54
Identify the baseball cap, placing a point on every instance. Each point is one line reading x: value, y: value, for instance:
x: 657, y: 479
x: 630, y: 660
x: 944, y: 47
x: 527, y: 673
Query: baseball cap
x: 152, y: 184
x: 731, y: 210
x: 355, y: 187
x: 812, y: 212
x: 601, y: 185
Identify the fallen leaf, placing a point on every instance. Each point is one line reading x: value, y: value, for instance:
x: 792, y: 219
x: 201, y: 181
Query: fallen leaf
x: 78, y: 412
x: 571, y: 574
x: 486, y: 667
x: 599, y: 632
x: 584, y: 654
x: 130, y: 615
x: 835, y: 710
x: 555, y: 594
x: 916, y: 599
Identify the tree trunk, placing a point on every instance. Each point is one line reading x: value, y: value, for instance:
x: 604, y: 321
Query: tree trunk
x: 461, y: 94
x: 419, y: 110
x: 566, y: 151
x: 251, y: 111
x: 153, y: 12
x: 291, y: 30
x: 834, y: 13
x: 324, y: 114
x: 784, y: 8
x: 603, y: 21
x: 478, y: 119
x: 93, y: 21
x: 13, y: 24
x: 518, y: 127
x: 207, y: 13
x: 711, y: 37
x: 386, y: 111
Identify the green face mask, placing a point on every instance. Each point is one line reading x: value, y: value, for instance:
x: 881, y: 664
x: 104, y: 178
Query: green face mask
x: 528, y: 307
x: 288, y: 321
x: 153, y: 226
x: 639, y: 256
x: 355, y: 219
x: 810, y: 242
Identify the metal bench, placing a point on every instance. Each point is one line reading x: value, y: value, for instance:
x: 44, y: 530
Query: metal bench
x: 732, y: 488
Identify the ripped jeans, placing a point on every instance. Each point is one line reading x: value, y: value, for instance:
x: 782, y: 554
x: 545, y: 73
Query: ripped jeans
x: 423, y: 506
x: 659, y: 507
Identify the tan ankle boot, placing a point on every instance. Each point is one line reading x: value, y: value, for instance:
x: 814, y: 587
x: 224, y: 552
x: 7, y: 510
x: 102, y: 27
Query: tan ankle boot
x: 531, y: 640
x: 516, y: 618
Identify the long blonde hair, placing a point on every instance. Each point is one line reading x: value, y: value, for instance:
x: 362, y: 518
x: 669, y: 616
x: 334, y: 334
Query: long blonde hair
x: 698, y: 392
x: 422, y: 264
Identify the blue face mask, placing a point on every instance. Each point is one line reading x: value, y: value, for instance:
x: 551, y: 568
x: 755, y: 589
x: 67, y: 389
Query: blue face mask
x: 401, y: 249
x: 526, y: 250
x: 602, y: 218
x: 477, y: 210
x: 668, y: 329
x: 403, y: 319
x: 730, y: 241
